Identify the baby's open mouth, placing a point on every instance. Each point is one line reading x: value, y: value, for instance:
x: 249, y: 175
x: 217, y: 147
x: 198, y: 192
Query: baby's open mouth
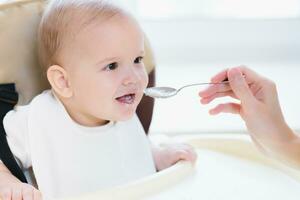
x: 127, y: 99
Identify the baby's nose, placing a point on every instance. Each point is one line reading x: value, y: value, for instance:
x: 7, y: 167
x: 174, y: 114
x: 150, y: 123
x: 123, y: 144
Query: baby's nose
x: 132, y: 77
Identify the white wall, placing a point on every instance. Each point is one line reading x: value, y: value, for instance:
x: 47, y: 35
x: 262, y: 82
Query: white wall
x: 193, y: 50
x: 210, y: 40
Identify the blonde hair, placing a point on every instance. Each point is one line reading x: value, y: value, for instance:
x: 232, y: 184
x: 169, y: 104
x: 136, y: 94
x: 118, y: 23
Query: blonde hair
x: 63, y: 19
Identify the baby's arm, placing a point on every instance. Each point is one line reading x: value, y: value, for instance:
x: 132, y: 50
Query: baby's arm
x: 13, y: 189
x: 166, y: 155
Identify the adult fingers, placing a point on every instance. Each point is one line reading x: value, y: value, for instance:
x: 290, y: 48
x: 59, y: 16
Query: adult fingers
x: 213, y: 89
x: 208, y: 99
x: 240, y: 86
x: 233, y: 108
x: 221, y: 76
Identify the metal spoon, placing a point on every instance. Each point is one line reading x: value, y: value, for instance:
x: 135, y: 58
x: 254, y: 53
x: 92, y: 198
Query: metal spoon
x: 166, y: 92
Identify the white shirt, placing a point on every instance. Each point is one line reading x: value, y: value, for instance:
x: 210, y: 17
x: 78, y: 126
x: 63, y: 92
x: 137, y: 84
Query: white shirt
x: 70, y: 159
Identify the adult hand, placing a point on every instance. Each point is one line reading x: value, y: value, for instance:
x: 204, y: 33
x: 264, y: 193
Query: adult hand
x: 259, y: 108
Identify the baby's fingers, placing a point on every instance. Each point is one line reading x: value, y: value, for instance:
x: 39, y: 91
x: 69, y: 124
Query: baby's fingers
x: 37, y: 195
x: 17, y: 194
x: 6, y: 193
x: 27, y: 193
x: 20, y: 192
x: 187, y: 155
x: 192, y: 155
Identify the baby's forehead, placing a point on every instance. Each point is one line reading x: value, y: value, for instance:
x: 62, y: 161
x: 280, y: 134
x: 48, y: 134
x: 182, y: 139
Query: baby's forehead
x: 80, y: 20
x: 109, y: 37
x: 68, y: 17
x: 91, y: 27
x: 105, y: 27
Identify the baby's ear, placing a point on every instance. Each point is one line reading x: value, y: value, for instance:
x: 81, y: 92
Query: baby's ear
x: 58, y: 79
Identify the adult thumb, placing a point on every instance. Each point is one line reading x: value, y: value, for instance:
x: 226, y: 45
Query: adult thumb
x: 239, y: 85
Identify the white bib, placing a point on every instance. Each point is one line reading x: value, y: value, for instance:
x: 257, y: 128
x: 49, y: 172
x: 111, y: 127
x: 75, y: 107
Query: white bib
x: 69, y: 159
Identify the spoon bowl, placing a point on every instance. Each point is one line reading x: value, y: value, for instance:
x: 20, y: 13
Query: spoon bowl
x: 160, y: 92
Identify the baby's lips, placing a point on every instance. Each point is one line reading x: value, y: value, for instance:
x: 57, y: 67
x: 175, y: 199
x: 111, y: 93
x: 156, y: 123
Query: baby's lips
x: 127, y: 99
x: 125, y: 94
x: 128, y: 92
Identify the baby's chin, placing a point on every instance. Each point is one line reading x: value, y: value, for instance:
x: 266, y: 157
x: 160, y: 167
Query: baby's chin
x: 124, y: 116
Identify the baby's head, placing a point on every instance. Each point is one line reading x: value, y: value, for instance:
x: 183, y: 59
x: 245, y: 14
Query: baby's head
x: 92, y: 53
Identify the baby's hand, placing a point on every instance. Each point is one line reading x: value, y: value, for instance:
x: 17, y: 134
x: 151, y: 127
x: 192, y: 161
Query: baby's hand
x: 167, y: 155
x: 19, y: 191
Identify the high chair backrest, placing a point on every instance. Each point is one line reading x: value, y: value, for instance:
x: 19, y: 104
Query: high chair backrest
x: 19, y: 20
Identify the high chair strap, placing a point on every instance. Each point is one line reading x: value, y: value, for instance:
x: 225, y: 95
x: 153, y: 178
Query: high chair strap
x: 8, y: 99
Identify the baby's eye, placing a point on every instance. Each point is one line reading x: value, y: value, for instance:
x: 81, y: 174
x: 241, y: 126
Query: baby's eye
x: 111, y: 66
x: 138, y: 60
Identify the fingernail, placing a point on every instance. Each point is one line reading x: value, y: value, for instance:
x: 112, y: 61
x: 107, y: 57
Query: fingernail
x: 236, y: 75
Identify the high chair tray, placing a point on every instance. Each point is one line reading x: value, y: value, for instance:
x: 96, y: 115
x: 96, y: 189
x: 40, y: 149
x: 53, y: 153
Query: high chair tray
x: 228, y: 167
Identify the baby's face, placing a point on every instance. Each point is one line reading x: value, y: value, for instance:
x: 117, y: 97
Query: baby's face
x: 106, y: 70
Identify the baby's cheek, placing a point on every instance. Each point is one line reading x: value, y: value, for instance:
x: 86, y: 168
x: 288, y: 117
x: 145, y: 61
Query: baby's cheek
x: 144, y: 83
x: 144, y: 77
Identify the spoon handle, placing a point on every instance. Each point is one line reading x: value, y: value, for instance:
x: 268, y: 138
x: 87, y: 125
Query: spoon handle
x: 210, y: 83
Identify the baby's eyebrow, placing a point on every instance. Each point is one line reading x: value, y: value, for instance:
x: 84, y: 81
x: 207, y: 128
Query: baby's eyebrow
x: 142, y: 52
x: 106, y: 60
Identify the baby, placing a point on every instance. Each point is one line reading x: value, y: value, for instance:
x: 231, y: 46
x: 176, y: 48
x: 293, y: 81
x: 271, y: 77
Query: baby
x: 83, y: 134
